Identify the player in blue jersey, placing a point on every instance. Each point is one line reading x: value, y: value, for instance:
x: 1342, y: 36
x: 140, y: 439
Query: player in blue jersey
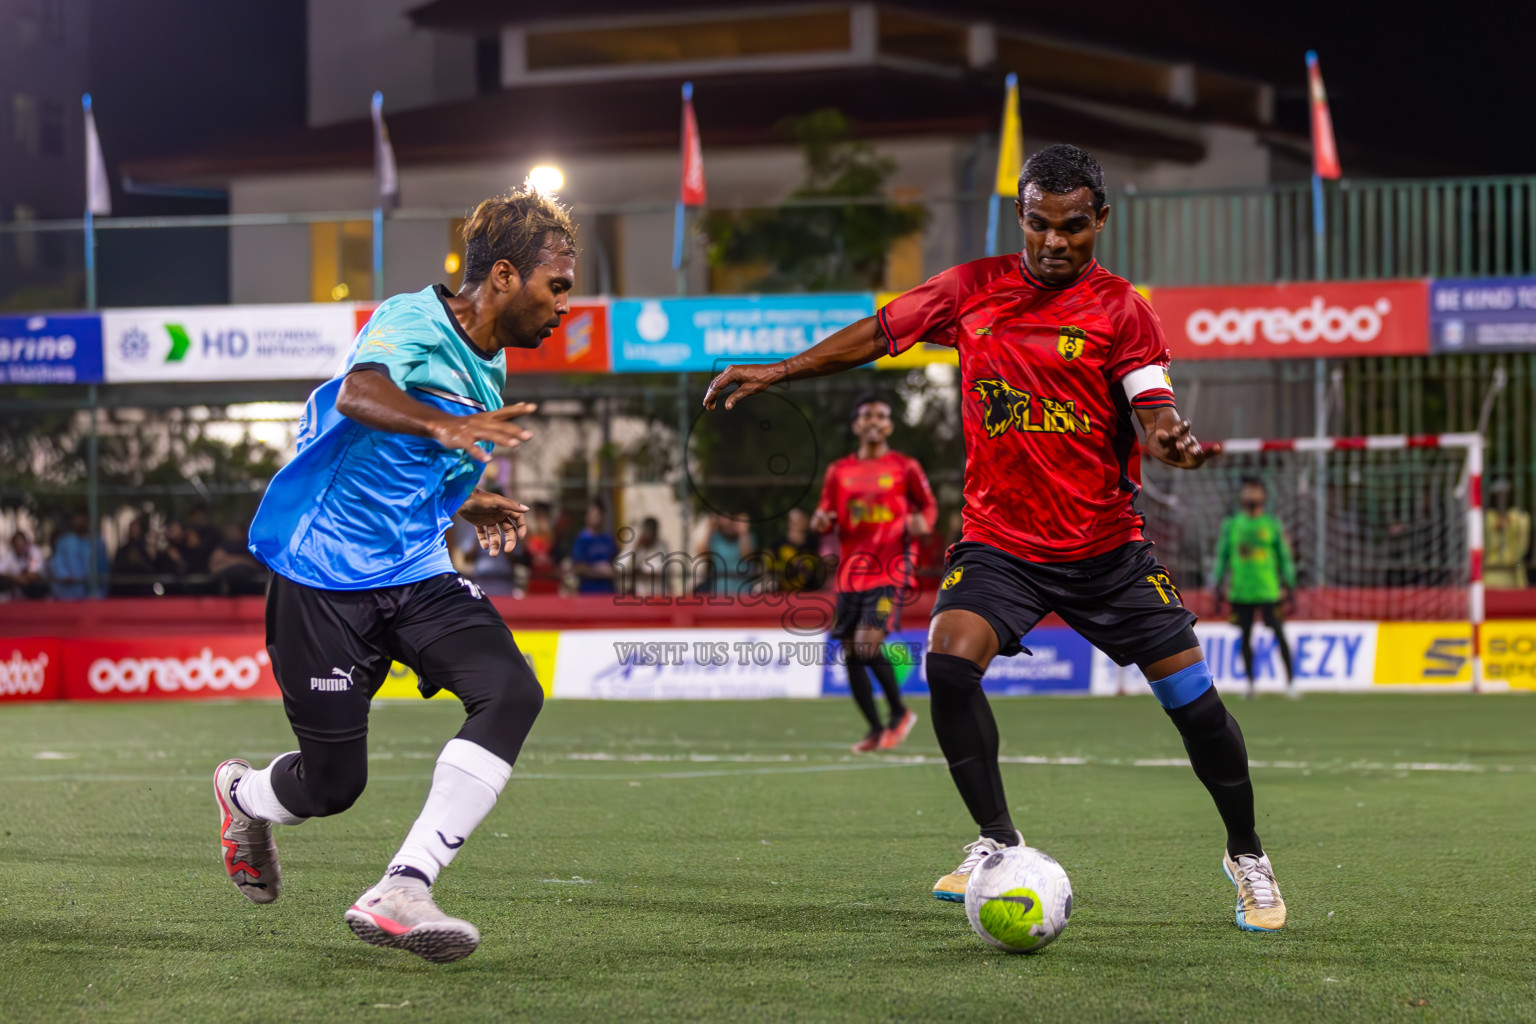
x: 353, y: 530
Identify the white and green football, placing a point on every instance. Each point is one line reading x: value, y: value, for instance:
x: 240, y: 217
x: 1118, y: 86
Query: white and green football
x: 1018, y: 900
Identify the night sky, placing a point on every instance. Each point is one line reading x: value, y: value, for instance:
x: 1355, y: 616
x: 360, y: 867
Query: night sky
x: 1412, y: 93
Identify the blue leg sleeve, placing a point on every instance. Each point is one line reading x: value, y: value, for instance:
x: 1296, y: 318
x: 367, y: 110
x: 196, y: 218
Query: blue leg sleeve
x: 1183, y: 686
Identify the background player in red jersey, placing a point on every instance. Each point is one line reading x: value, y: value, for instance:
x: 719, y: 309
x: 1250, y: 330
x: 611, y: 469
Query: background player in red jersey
x: 879, y: 500
x: 1061, y: 360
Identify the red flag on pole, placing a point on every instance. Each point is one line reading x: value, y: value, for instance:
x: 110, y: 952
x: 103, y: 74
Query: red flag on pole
x: 693, y: 154
x: 1325, y: 155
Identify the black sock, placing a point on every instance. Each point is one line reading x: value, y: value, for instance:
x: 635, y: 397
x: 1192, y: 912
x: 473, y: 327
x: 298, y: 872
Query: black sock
x: 967, y: 734
x: 1220, y: 759
x: 863, y: 691
x: 1246, y: 645
x: 885, y: 672
x: 1284, y: 647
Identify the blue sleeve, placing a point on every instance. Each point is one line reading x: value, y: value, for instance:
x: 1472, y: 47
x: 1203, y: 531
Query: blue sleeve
x: 399, y: 340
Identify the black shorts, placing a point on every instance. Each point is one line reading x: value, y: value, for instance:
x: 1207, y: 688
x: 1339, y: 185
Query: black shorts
x: 331, y: 649
x: 1242, y: 615
x: 877, y: 608
x: 1123, y: 601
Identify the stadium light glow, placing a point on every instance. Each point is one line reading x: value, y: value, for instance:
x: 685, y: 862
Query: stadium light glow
x: 546, y: 178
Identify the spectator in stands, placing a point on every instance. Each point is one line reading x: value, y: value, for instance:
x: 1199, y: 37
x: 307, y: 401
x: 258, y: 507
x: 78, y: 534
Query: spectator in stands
x: 21, y: 569
x: 132, y: 565
x: 70, y: 566
x: 796, y: 559
x: 728, y: 545
x: 536, y: 552
x: 171, y: 559
x: 201, y: 540
x: 593, y: 553
x: 1506, y: 540
x: 234, y: 569
x: 641, y: 566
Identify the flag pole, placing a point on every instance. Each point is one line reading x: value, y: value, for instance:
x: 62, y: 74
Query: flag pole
x: 1010, y: 158
x: 992, y: 215
x: 90, y: 230
x: 1323, y: 152
x: 378, y: 253
x: 679, y: 263
x: 680, y: 214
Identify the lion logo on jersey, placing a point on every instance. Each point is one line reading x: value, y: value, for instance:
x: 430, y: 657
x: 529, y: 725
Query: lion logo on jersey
x: 1070, y: 341
x: 1006, y: 406
x: 953, y: 577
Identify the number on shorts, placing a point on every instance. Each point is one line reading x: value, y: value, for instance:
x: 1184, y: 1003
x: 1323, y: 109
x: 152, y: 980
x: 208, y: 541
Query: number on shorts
x: 1164, y: 587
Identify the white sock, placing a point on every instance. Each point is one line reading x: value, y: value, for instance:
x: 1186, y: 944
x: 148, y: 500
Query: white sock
x: 465, y: 784
x: 254, y: 795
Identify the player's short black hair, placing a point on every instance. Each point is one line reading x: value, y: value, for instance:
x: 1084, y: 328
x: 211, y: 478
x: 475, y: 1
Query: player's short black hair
x: 1252, y: 481
x: 1060, y: 169
x: 866, y: 399
x: 525, y: 227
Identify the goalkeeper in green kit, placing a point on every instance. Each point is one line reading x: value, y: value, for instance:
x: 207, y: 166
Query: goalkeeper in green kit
x: 1253, y: 549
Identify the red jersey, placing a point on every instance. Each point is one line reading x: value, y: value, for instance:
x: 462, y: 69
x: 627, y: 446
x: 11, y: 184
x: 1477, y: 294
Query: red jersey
x: 872, y: 499
x: 1050, y: 375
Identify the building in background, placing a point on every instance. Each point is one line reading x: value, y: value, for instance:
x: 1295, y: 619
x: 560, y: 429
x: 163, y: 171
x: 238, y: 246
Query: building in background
x: 44, y: 68
x: 477, y: 93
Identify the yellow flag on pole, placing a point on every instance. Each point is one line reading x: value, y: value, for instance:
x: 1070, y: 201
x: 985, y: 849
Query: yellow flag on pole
x: 1010, y: 150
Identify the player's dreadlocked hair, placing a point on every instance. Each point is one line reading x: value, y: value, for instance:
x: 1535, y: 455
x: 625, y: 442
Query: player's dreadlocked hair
x: 525, y: 227
x: 1060, y: 169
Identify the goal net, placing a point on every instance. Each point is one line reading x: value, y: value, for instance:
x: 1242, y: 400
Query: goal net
x: 1380, y: 528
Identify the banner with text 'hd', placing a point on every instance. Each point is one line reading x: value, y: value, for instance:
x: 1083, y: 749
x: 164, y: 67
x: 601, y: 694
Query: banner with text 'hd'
x: 278, y: 342
x: 1310, y: 319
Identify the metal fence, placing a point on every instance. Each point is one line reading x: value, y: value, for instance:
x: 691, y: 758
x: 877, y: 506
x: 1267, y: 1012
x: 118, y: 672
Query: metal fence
x: 1444, y: 227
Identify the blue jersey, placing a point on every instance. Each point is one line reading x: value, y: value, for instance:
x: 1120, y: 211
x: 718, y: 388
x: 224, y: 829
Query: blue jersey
x: 359, y: 508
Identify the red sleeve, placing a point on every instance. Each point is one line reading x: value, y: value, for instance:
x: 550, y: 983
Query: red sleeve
x: 926, y: 313
x: 1138, y: 335
x: 919, y: 494
x: 828, y: 502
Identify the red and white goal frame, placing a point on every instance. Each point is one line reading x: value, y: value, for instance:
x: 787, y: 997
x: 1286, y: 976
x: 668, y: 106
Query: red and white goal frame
x: 1471, y: 443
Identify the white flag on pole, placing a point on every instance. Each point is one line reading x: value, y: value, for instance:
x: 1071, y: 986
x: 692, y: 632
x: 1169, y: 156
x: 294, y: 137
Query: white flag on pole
x: 98, y: 191
x: 385, y: 177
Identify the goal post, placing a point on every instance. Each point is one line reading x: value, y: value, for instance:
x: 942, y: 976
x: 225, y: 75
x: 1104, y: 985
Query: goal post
x: 1382, y: 527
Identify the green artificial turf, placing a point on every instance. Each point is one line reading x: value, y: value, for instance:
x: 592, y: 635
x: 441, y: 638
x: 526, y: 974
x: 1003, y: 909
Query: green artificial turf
x: 732, y: 861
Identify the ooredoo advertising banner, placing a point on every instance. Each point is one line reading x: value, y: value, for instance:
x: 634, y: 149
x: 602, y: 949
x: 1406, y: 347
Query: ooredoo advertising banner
x: 50, y: 349
x: 1495, y: 314
x: 711, y: 332
x: 1301, y: 320
x: 278, y: 342
x: 29, y: 669
x: 175, y: 667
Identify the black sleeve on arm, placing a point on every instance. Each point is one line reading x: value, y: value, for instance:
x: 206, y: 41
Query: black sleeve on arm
x: 881, y: 332
x: 380, y: 367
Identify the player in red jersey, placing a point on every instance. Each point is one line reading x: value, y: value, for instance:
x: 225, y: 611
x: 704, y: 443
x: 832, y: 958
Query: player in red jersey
x: 879, y: 500
x: 1060, y: 360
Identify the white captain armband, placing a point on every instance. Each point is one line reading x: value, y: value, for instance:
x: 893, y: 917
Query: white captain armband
x: 1148, y: 388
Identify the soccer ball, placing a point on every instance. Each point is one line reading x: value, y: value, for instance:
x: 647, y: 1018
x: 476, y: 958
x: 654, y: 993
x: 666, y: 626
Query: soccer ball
x: 1018, y: 900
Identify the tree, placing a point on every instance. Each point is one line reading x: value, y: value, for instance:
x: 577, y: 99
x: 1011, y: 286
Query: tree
x: 833, y: 247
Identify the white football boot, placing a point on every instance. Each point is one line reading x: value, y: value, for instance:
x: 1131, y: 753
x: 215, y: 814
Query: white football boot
x: 250, y: 855
x: 400, y: 914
